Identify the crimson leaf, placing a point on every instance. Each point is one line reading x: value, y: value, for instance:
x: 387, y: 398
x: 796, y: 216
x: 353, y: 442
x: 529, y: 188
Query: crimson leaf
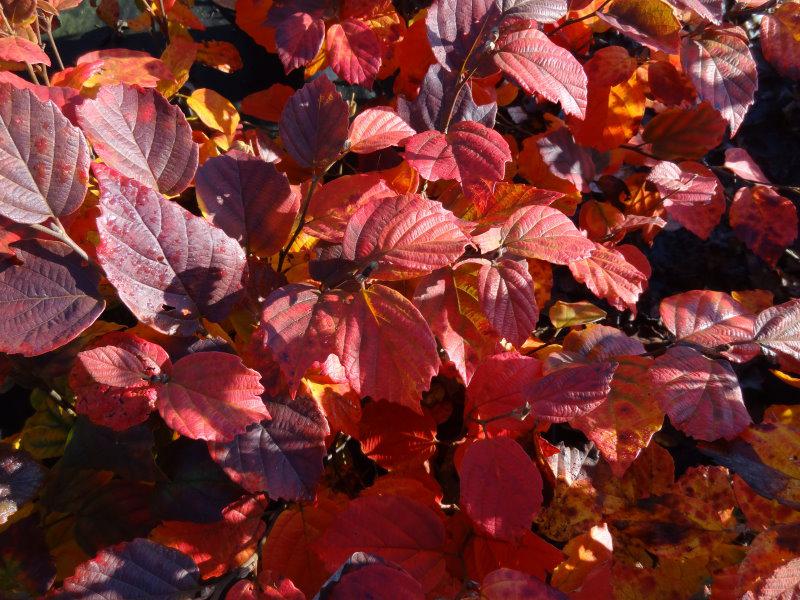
x: 545, y: 233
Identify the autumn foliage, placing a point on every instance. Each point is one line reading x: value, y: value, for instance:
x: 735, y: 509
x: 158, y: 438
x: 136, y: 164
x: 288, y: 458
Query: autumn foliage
x: 406, y: 328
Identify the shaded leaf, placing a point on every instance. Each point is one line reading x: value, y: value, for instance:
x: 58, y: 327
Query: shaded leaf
x: 649, y: 22
x: 508, y: 583
x: 685, y: 133
x: 367, y: 575
x: 779, y: 37
x: 20, y: 479
x: 764, y: 220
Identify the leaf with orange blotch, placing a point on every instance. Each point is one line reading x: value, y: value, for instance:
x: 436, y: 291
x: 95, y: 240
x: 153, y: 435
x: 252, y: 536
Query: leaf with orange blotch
x: 290, y: 541
x: 222, y: 56
x: 761, y: 513
x: 701, y: 396
x: 573, y: 510
x: 508, y: 583
x: 680, y: 133
x: 771, y: 568
x: 722, y: 68
x: 626, y: 422
x: 354, y: 51
x: 501, y: 488
x: 267, y: 104
x: 395, y: 528
x: 178, y: 56
x: 395, y: 436
x: 18, y: 49
x: 754, y: 301
x: 221, y: 546
x: 769, y: 441
x: 618, y: 275
x: 588, y: 563
x: 649, y: 22
x: 764, y: 220
x: 779, y: 35
x: 601, y: 221
x: 377, y: 128
x: 118, y: 65
x: 214, y: 111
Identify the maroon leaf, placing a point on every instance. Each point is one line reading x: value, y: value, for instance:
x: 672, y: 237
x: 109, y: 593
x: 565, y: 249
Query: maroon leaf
x: 764, y: 220
x: 501, y: 489
x: 505, y: 292
x: 618, y: 275
x: 44, y: 160
x: 112, y: 381
x: 528, y: 57
x: 314, y: 124
x: 407, y: 236
x: 778, y: 332
x: 354, y: 51
x: 299, y: 38
x: 138, y: 133
x: 545, y: 233
x: 211, y: 396
x: 282, y: 456
x: 377, y: 128
x: 46, y: 298
x: 570, y: 391
x: 723, y: 71
x: 137, y: 569
x: 508, y: 583
x: 20, y: 478
x: 369, y: 576
x: 468, y: 152
x: 396, y: 528
x: 169, y: 267
x: 458, y: 30
x: 249, y: 200
x: 543, y: 11
x: 701, y: 396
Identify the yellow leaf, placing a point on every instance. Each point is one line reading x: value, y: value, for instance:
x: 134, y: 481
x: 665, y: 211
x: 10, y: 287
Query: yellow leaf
x: 215, y: 111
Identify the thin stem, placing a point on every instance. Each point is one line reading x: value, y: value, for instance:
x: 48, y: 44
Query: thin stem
x: 57, y: 231
x: 53, y: 45
x: 569, y: 22
x: 300, y: 224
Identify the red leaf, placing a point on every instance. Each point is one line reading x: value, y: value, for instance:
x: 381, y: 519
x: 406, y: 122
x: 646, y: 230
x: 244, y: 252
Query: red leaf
x: 282, y: 456
x: 570, y: 391
x: 407, y: 236
x: 217, y: 547
x: 501, y: 489
x: 764, y: 220
x: 169, y: 267
x: 778, y: 333
x: 685, y: 132
x: 299, y: 38
x: 778, y: 39
x: 723, y: 71
x: 701, y: 396
x: 267, y: 104
x: 545, y: 233
x: 617, y: 277
x: 498, y: 388
x: 111, y: 379
x: 505, y: 292
x: 468, y: 152
x: 138, y: 133
x: 138, y: 569
x: 508, y: 583
x: 211, y: 396
x: 44, y: 160
x: 565, y: 159
x: 354, y: 51
x: 314, y: 124
x: 396, y: 528
x: 18, y: 49
x: 600, y: 342
x: 371, y: 579
x: 46, y: 298
x: 394, y: 436
x: 249, y: 200
x: 377, y: 128
x: 537, y: 65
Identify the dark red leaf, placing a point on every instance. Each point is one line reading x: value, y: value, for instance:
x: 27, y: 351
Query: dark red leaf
x: 169, y: 267
x: 44, y: 160
x: 249, y: 200
x: 138, y: 133
x: 458, y: 30
x: 314, y: 124
x: 282, y: 456
x: 354, y: 51
x: 505, y: 292
x: 468, y: 152
x: 501, y: 488
x: 701, y: 396
x: 570, y: 391
x: 545, y: 233
x: 407, y: 236
x: 46, y: 298
x: 508, y: 583
x: 211, y: 396
x: 20, y: 478
x: 395, y: 436
x: 137, y: 569
x: 299, y: 38
x: 764, y: 220
x: 778, y: 332
x: 369, y: 576
x: 26, y: 558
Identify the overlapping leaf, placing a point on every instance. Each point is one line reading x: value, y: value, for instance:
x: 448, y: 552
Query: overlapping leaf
x: 545, y: 233
x: 377, y: 128
x: 570, y: 391
x: 764, y: 220
x: 354, y: 51
x: 777, y: 331
x: 618, y: 275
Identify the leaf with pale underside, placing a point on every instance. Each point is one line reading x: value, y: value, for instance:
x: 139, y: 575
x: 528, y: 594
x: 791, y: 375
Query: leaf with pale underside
x: 506, y: 295
x: 377, y: 128
x: 44, y: 159
x: 570, y: 391
x: 618, y: 275
x: 778, y: 332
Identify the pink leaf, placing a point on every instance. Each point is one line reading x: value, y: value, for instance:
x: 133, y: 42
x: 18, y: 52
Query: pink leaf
x: 711, y: 10
x: 354, y: 51
x: 505, y: 292
x: 545, y: 233
x: 701, y: 396
x: 739, y: 161
x: 211, y: 396
x: 377, y: 128
x: 314, y: 123
x: 138, y: 133
x: 44, y: 160
x: 18, y: 49
x: 617, y: 277
x: 169, y: 267
x: 537, y: 65
x: 407, y: 236
x: 501, y: 488
x: 570, y: 391
x: 468, y: 152
x: 778, y: 332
